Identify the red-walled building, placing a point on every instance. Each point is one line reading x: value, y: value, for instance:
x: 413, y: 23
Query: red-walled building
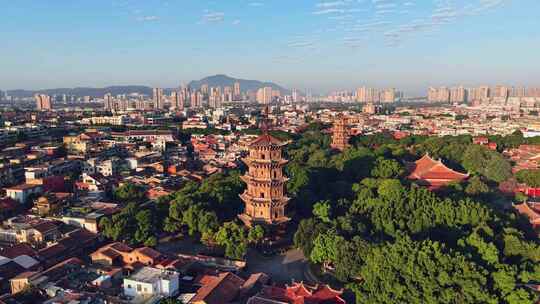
x: 298, y: 293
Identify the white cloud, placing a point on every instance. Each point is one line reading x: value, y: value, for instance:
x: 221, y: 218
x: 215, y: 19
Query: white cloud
x: 147, y: 18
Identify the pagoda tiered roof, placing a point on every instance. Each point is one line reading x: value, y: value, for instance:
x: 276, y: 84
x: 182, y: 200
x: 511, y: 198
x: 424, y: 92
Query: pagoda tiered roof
x: 267, y: 140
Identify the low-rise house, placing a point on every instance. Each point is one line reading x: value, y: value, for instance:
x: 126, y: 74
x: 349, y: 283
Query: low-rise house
x: 31, y: 230
x: 24, y: 192
x: 37, y: 279
x: 148, y: 282
x: 51, y: 203
x: 8, y: 207
x: 525, y: 157
x: 88, y: 221
x: 120, y: 254
x: 94, y: 182
x: 220, y: 289
x: 76, y: 243
x: 144, y: 135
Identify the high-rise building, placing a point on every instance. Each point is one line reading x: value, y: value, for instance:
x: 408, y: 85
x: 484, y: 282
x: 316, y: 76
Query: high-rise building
x: 441, y: 94
x: 43, y: 102
x: 108, y: 102
x: 264, y: 95
x: 518, y: 92
x: 501, y: 92
x: 483, y: 92
x: 265, y: 198
x: 365, y: 94
x: 388, y: 95
x: 158, y: 98
x: 340, y: 135
x: 237, y: 91
x: 458, y: 94
x: 196, y: 99
x: 295, y: 96
x: 177, y: 100
x: 205, y: 89
x: 228, y: 94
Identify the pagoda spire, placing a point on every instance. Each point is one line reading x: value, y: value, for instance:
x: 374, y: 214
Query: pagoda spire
x: 265, y: 124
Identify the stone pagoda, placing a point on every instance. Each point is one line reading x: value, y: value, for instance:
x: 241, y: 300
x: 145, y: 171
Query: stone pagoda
x: 265, y: 198
x: 340, y: 135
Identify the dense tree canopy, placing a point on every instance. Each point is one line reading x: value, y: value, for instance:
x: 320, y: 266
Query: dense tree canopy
x: 128, y: 193
x: 491, y: 164
x: 529, y: 177
x: 392, y: 241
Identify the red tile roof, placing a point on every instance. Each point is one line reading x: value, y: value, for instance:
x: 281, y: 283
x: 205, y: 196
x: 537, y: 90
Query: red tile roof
x: 266, y: 140
x: 434, y: 173
x: 219, y: 290
x: 301, y: 293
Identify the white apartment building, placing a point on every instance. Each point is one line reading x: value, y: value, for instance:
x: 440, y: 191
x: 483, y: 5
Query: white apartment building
x: 149, y: 282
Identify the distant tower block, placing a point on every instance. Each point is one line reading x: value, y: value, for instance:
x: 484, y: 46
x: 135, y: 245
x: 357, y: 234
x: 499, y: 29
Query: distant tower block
x: 265, y: 198
x: 340, y: 135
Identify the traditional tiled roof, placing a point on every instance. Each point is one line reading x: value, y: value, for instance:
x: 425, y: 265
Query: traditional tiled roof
x: 299, y: 293
x: 222, y: 289
x: 434, y: 172
x: 529, y: 212
x: 266, y: 140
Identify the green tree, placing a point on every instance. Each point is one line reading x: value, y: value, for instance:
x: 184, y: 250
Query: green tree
x: 476, y: 186
x: 233, y: 238
x: 387, y: 168
x: 307, y: 231
x: 491, y: 164
x: 323, y: 211
x: 130, y: 193
x: 146, y: 232
x: 325, y: 248
x: 256, y: 234
x: 420, y: 272
x: 529, y: 177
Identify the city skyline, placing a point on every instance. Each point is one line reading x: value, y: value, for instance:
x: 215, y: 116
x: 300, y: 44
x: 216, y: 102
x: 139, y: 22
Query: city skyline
x: 378, y: 43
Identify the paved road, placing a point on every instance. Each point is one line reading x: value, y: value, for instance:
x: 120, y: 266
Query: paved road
x: 282, y: 268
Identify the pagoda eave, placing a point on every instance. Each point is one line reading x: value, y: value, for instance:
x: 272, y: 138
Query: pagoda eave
x: 252, y: 221
x: 248, y: 198
x: 248, y: 178
x: 252, y: 161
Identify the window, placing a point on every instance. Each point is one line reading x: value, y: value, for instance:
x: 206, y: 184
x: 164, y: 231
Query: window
x: 139, y: 287
x: 129, y: 286
x: 262, y: 194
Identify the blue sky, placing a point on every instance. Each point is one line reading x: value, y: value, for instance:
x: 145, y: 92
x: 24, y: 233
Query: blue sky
x: 316, y: 45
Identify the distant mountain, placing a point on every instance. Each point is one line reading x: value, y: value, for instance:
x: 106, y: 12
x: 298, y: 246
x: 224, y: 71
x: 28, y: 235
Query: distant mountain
x: 96, y: 92
x: 245, y: 85
x: 212, y: 81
